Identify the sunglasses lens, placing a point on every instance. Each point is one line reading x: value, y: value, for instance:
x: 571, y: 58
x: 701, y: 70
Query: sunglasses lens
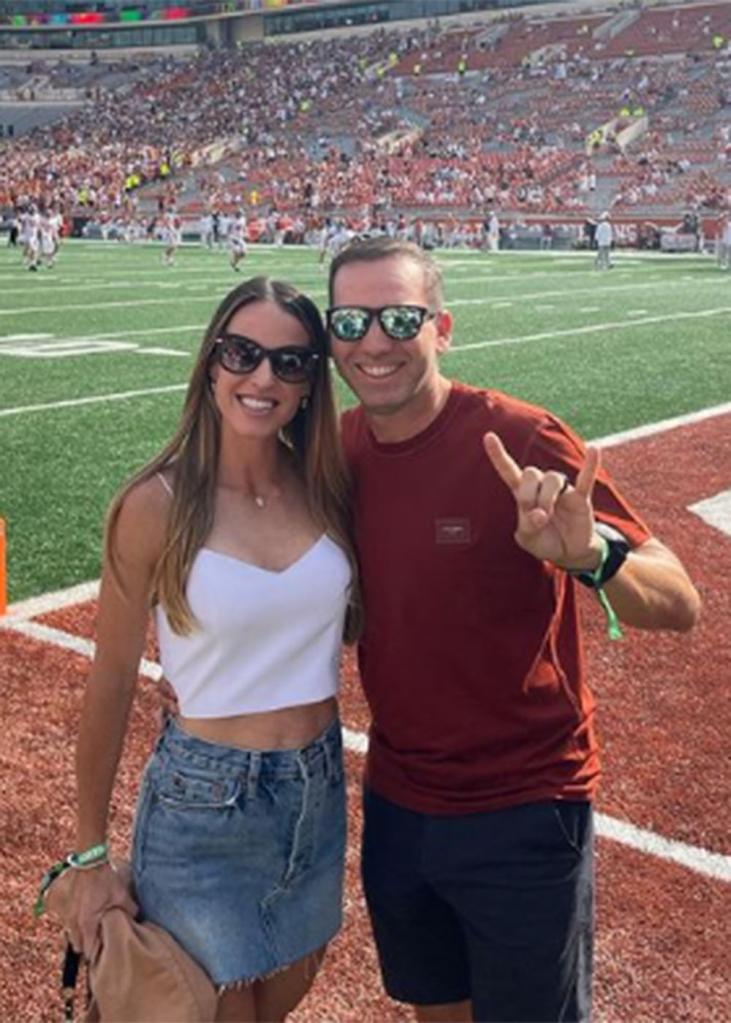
x: 239, y: 356
x: 349, y: 324
x: 292, y: 365
x: 402, y: 322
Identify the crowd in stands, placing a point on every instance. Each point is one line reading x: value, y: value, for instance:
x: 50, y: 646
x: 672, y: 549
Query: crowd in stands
x: 396, y: 120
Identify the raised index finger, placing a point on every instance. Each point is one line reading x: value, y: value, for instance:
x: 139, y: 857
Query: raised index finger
x: 506, y: 467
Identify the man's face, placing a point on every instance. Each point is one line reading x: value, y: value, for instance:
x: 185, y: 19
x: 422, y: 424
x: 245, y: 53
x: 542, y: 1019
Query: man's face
x: 389, y: 376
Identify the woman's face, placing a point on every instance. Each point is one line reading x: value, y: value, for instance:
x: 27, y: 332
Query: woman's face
x: 259, y: 403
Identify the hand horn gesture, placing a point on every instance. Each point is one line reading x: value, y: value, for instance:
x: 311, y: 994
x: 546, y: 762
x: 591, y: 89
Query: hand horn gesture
x: 555, y: 519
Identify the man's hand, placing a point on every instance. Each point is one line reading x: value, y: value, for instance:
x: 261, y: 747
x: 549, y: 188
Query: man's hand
x: 555, y: 520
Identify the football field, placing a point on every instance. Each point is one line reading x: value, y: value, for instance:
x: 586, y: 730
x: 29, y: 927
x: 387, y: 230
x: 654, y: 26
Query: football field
x: 94, y: 357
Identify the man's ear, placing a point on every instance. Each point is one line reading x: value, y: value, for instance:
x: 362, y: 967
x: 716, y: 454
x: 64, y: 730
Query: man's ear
x: 443, y: 321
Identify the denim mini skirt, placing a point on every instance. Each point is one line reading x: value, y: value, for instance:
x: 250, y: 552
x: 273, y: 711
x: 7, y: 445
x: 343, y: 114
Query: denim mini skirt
x: 239, y: 854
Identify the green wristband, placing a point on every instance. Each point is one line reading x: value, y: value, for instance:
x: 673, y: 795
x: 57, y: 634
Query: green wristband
x: 92, y: 857
x: 95, y: 854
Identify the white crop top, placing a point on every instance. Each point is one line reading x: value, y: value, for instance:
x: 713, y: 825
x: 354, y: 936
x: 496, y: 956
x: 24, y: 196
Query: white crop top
x: 264, y: 639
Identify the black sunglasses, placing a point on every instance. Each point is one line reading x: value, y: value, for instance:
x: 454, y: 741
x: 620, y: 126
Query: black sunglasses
x: 294, y: 364
x: 399, y: 322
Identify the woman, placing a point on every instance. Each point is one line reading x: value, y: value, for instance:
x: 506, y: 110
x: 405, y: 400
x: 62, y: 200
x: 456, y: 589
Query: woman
x: 237, y: 534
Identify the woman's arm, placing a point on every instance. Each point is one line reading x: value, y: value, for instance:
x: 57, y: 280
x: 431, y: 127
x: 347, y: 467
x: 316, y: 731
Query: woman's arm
x: 121, y: 630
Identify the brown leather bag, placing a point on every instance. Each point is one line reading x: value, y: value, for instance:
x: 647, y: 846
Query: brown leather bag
x: 138, y: 973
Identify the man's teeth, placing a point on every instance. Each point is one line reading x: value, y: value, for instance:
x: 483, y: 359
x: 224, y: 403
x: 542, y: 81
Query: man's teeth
x: 258, y: 404
x: 378, y: 371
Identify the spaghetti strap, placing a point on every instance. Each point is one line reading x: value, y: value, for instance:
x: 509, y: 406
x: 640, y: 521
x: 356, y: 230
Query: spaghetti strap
x: 164, y: 483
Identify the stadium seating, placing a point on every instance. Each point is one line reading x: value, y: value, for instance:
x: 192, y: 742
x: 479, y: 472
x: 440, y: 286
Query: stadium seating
x: 388, y: 121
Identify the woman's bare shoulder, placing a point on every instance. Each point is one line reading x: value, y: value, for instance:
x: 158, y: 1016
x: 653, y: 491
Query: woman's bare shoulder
x: 141, y: 523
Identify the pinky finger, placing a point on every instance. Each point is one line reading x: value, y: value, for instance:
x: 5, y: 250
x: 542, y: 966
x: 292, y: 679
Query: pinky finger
x: 587, y: 476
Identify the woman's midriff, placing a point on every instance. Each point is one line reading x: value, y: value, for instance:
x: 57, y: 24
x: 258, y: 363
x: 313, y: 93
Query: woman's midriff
x: 287, y: 728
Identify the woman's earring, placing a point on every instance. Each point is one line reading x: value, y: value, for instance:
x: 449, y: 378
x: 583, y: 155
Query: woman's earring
x: 304, y: 403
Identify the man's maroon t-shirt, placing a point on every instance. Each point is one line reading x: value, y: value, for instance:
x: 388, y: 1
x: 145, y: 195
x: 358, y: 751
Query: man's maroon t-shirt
x: 471, y: 657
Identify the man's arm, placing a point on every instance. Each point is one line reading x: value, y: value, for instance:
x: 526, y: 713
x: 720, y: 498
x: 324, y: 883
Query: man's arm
x: 652, y: 590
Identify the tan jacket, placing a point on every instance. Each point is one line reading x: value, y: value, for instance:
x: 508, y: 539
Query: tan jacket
x: 139, y: 973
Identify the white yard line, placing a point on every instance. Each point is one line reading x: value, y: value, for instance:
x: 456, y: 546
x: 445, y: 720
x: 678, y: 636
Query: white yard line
x: 93, y: 400
x: 210, y: 284
x: 209, y: 297
x: 520, y: 339
x: 594, y: 328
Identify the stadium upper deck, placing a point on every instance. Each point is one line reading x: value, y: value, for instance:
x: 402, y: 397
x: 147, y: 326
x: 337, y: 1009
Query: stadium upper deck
x: 114, y: 24
x: 422, y: 119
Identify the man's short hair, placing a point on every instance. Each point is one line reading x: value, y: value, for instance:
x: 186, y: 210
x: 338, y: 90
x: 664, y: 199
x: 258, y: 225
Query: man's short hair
x: 369, y: 250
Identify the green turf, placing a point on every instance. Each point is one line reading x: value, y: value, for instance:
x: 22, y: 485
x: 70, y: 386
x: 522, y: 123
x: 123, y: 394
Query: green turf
x: 59, y: 466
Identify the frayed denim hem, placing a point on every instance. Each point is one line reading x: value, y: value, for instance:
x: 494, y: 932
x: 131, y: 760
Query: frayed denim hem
x: 313, y: 962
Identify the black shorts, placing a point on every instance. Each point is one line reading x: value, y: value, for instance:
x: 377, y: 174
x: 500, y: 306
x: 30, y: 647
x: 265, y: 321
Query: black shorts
x: 496, y: 908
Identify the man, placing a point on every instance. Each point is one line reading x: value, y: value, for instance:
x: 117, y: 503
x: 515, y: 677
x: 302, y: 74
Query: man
x: 170, y: 236
x: 604, y: 236
x: 474, y: 514
x: 237, y: 233
x: 492, y: 231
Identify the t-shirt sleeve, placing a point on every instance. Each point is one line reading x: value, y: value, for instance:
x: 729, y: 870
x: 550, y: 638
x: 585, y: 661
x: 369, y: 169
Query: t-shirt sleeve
x: 553, y: 445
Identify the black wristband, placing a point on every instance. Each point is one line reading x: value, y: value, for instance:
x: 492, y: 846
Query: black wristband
x: 616, y: 554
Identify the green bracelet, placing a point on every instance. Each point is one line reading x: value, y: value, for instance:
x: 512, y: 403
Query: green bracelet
x: 89, y: 857
x: 594, y: 581
x: 93, y: 857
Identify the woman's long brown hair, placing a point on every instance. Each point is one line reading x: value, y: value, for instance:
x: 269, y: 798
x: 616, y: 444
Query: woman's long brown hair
x: 192, y: 456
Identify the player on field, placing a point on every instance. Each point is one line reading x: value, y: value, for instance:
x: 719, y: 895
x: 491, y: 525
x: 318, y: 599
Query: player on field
x: 170, y: 235
x: 326, y: 230
x: 237, y: 247
x: 206, y: 230
x: 29, y: 229
x: 604, y: 236
x: 46, y: 239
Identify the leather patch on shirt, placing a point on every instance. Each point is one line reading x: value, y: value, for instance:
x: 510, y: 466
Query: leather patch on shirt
x: 453, y: 531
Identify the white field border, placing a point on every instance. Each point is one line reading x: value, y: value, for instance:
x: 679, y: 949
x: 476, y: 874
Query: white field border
x: 694, y: 858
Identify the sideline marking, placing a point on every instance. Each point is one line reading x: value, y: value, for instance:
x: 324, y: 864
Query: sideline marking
x: 716, y: 511
x: 44, y: 603
x: 695, y: 858
x: 650, y: 429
